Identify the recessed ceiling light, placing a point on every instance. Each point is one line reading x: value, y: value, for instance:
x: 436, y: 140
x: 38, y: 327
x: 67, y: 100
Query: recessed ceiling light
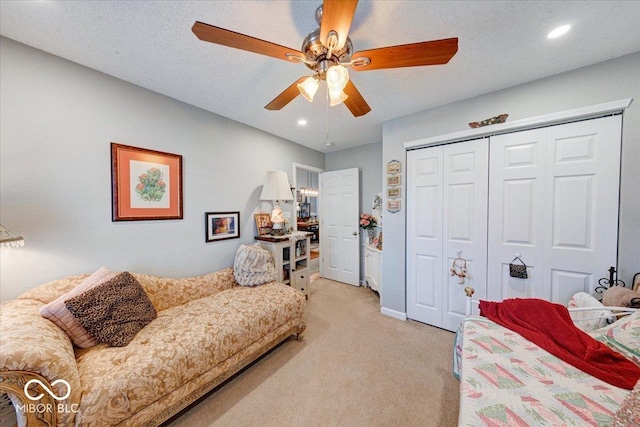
x: 302, y: 122
x: 559, y: 31
x: 329, y: 144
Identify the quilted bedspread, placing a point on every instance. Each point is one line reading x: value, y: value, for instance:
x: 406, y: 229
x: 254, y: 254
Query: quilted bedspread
x: 505, y: 380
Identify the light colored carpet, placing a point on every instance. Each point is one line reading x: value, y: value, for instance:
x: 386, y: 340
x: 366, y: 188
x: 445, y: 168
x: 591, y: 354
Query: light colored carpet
x: 355, y: 367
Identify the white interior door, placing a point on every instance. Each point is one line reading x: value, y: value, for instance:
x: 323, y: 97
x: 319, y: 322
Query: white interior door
x: 516, y: 213
x: 340, y: 195
x: 424, y: 235
x: 446, y: 216
x: 464, y: 224
x: 582, y: 196
x: 554, y: 200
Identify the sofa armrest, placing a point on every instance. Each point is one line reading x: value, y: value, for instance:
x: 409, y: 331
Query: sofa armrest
x: 34, y: 354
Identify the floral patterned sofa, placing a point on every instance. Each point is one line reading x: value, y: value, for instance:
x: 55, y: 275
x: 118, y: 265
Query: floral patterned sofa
x: 207, y: 328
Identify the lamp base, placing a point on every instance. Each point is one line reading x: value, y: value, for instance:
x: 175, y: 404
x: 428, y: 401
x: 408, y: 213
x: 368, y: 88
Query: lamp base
x: 278, y: 231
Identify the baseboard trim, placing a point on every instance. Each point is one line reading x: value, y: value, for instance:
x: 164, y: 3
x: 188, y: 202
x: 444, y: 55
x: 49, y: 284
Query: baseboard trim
x: 393, y: 313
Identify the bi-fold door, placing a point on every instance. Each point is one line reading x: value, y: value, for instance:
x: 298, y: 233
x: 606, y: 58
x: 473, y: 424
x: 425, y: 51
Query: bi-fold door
x: 549, y: 195
x: 446, y: 217
x: 553, y: 200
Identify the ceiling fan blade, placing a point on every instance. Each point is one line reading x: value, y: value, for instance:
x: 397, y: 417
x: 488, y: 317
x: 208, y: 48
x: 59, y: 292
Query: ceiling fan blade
x: 217, y: 35
x: 408, y: 55
x: 286, y: 96
x: 337, y: 16
x: 355, y: 102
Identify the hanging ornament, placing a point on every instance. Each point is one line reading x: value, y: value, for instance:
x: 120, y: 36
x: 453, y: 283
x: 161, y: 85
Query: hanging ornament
x: 459, y: 268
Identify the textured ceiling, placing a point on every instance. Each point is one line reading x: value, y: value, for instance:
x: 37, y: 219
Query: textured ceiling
x: 150, y: 44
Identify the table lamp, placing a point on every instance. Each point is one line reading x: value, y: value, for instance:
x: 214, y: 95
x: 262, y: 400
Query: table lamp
x: 276, y: 187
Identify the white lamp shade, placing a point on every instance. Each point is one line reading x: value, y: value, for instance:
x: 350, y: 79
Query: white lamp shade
x: 276, y: 187
x: 337, y: 77
x: 308, y: 88
x: 336, y: 97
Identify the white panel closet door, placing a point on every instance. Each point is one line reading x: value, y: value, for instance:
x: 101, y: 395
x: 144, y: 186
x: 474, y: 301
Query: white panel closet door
x: 553, y: 198
x: 424, y: 235
x: 582, y: 198
x: 447, y: 213
x: 464, y: 224
x: 516, y: 213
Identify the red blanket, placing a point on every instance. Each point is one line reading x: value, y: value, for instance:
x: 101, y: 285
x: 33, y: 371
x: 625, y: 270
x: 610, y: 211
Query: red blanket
x: 549, y: 326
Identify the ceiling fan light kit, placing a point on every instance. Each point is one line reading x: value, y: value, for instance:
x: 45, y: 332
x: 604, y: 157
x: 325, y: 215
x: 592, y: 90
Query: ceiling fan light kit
x: 327, y: 50
x: 337, y: 97
x: 308, y: 88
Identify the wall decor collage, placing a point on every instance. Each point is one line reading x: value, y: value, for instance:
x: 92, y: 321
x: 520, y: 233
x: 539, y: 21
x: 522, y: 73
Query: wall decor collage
x: 394, y: 186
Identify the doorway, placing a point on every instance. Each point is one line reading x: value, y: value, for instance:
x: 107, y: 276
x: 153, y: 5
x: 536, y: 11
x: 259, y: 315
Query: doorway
x: 306, y: 210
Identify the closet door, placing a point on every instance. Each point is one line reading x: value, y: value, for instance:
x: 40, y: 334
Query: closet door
x: 446, y: 215
x: 425, y: 283
x: 464, y: 224
x: 516, y: 213
x: 553, y: 198
x: 582, y: 198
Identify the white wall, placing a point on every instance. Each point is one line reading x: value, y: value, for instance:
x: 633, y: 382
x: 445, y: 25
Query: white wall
x: 57, y: 122
x: 368, y: 159
x: 599, y: 83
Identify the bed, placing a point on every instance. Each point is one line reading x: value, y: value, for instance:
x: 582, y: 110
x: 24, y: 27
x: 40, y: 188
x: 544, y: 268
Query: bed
x: 506, y: 380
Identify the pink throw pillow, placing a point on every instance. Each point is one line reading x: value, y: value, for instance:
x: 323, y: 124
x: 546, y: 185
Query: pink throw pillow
x: 57, y: 312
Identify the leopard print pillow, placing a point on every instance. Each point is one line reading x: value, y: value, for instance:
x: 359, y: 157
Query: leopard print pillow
x: 115, y: 311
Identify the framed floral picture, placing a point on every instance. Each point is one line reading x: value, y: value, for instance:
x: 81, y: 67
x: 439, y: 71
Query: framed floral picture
x: 222, y: 225
x: 145, y: 184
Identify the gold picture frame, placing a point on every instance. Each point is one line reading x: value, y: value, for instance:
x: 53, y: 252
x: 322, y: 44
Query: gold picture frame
x: 263, y: 223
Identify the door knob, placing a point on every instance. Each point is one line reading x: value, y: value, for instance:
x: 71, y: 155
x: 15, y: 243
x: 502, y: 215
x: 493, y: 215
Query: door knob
x: 355, y: 233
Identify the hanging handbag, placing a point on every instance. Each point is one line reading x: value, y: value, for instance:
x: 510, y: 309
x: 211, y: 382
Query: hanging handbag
x: 518, y: 270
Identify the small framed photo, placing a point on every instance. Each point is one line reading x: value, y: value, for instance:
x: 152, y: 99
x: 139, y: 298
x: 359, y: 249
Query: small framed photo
x: 393, y: 180
x: 394, y: 206
x: 393, y: 167
x: 222, y: 225
x: 145, y: 184
x: 393, y: 192
x: 263, y: 223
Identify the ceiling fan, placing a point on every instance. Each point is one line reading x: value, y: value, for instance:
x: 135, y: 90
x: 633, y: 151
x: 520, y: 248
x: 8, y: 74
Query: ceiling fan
x: 327, y: 50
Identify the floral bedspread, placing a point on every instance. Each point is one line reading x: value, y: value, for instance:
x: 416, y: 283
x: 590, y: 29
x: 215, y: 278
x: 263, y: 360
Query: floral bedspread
x: 505, y: 380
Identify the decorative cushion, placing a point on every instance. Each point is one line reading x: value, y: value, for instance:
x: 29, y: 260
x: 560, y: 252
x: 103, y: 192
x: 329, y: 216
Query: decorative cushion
x: 115, y: 311
x: 57, y: 312
x: 629, y: 412
x: 619, y: 296
x: 253, y: 266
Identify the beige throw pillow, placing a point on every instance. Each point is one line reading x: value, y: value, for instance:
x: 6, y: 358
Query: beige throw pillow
x: 57, y: 312
x: 115, y: 311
